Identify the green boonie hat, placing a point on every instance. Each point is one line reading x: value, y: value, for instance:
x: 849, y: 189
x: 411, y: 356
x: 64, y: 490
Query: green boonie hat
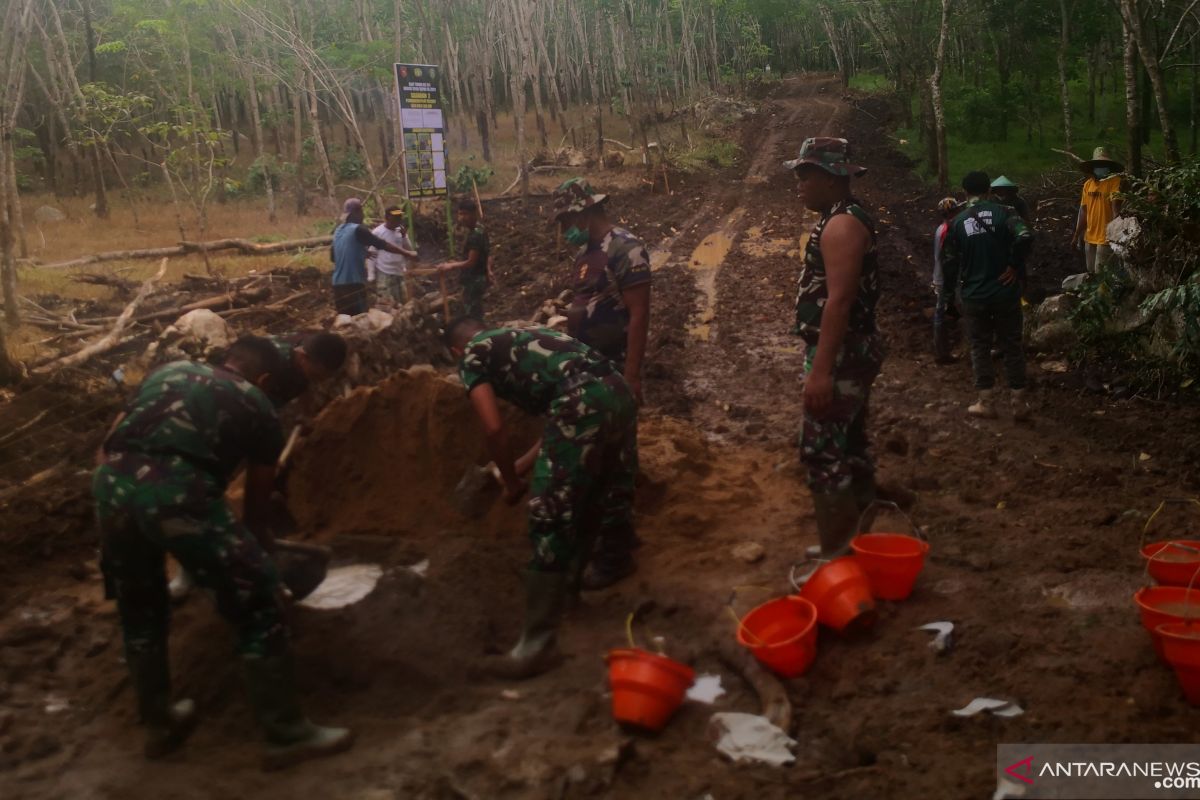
x: 1101, y: 158
x: 575, y: 195
x: 1004, y: 183
x: 829, y: 153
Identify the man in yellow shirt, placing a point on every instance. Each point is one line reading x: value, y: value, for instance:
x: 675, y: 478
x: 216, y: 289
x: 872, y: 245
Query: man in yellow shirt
x: 1097, y: 207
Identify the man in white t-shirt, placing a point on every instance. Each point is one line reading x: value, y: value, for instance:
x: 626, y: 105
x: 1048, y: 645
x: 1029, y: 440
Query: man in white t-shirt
x: 389, y: 269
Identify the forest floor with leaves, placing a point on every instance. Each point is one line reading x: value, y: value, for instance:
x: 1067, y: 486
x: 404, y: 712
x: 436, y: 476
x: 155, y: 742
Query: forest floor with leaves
x: 1034, y: 531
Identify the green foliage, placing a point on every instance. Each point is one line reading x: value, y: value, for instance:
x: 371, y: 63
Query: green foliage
x: 1099, y: 298
x: 256, y: 176
x: 350, y: 165
x: 460, y: 182
x: 710, y: 154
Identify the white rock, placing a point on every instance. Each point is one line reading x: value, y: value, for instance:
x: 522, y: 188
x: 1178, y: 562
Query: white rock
x: 44, y: 215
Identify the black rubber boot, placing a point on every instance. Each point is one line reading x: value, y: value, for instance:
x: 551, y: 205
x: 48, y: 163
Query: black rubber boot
x: 168, y: 725
x: 536, y: 651
x: 290, y: 736
x: 941, y: 344
x: 612, y: 559
x: 837, y: 521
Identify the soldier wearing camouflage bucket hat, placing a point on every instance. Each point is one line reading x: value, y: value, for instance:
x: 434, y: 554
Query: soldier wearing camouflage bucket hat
x: 610, y: 313
x: 835, y: 316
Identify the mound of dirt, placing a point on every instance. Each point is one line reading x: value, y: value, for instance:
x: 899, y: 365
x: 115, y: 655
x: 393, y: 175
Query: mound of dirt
x: 385, y: 458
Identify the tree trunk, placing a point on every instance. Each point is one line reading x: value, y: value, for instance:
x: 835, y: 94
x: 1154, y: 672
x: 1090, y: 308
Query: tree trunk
x: 1193, y: 91
x: 1149, y: 55
x: 1132, y: 113
x: 935, y: 92
x: 1064, y: 88
x: 8, y: 370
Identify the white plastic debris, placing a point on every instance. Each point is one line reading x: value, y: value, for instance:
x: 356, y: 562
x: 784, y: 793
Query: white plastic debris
x: 420, y: 568
x: 749, y: 737
x: 706, y: 689
x: 56, y: 704
x: 998, y: 708
x: 942, y: 641
x: 373, y: 321
x: 344, y: 586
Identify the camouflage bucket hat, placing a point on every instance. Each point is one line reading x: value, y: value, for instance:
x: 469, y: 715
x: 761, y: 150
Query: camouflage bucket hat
x: 575, y: 195
x: 829, y: 153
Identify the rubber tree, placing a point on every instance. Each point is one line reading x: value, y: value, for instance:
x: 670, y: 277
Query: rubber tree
x: 935, y: 92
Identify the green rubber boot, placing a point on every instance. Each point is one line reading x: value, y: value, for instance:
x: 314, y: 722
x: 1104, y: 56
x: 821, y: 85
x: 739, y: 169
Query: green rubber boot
x: 864, y: 499
x: 290, y: 736
x: 168, y: 725
x: 837, y: 521
x: 536, y: 651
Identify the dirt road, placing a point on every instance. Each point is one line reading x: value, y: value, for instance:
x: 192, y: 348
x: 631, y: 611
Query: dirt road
x: 1034, y: 531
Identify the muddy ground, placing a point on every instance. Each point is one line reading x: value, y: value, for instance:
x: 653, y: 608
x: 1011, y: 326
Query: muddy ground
x: 1034, y: 532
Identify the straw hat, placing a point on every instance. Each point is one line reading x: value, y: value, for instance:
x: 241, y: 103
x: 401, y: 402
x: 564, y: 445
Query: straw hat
x: 1101, y: 158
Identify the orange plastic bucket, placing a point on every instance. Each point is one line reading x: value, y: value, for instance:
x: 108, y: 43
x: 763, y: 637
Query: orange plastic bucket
x: 646, y: 688
x: 1174, y: 562
x: 782, y: 635
x: 842, y: 594
x: 892, y: 562
x: 1162, y: 604
x: 1181, y: 647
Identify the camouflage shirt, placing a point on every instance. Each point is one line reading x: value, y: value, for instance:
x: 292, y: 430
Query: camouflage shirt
x: 209, y: 417
x: 528, y: 367
x: 603, y: 271
x: 814, y: 293
x: 292, y: 382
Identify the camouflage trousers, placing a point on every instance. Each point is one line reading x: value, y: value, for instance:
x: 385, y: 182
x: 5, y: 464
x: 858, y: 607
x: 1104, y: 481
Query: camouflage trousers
x: 834, y: 448
x: 473, y: 289
x: 583, y: 479
x: 147, y: 507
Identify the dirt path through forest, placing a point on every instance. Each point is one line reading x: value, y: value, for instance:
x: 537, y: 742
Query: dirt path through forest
x: 1034, y: 532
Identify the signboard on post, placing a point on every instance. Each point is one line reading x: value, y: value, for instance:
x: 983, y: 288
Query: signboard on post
x: 424, y: 129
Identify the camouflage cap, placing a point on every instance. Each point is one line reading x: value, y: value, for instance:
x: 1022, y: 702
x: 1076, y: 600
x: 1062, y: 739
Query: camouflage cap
x: 575, y: 195
x: 829, y: 153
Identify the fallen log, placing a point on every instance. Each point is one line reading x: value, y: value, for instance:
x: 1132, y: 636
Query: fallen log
x: 114, y: 337
x: 33, y: 480
x: 243, y: 246
x: 228, y: 300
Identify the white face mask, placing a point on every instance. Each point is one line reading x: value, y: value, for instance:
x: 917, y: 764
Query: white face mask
x: 1101, y: 172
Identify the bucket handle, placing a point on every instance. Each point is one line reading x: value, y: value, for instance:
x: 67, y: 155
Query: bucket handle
x: 1170, y: 545
x: 817, y: 561
x: 633, y: 643
x: 914, y: 527
x: 1157, y: 511
x: 733, y: 613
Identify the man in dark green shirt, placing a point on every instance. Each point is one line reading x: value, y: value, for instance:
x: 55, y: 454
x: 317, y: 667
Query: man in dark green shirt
x: 987, y: 246
x: 474, y: 263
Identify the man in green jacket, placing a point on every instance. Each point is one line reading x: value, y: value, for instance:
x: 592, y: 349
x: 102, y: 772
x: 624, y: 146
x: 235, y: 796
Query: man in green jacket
x: 987, y: 246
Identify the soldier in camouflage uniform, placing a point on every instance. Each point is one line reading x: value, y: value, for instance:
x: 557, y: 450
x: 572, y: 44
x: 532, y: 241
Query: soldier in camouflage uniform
x: 610, y: 313
x: 583, y: 468
x: 475, y: 262
x: 835, y: 315
x: 160, y: 489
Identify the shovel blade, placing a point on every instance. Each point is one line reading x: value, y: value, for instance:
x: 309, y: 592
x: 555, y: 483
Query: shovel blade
x: 475, y: 492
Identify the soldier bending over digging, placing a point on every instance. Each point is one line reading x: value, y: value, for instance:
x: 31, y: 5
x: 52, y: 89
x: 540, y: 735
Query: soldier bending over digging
x: 160, y: 488
x: 583, y: 468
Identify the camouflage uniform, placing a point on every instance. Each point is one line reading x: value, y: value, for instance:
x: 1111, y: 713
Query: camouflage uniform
x: 161, y: 490
x: 583, y: 479
x: 834, y: 447
x: 474, y: 281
